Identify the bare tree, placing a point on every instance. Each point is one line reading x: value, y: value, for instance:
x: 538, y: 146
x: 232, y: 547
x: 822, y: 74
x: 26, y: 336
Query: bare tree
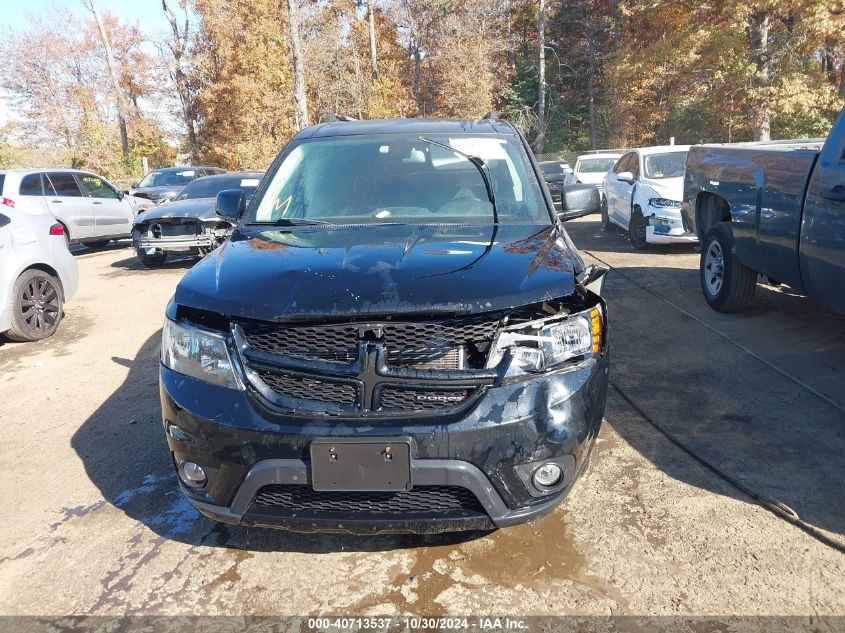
x: 373, y: 53
x: 122, y: 102
x: 177, y: 44
x: 541, y: 71
x: 299, y: 96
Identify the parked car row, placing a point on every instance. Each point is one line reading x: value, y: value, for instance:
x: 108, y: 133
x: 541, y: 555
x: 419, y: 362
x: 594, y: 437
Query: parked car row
x: 45, y: 211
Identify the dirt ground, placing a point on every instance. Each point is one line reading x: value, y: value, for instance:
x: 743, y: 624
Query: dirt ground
x: 94, y: 523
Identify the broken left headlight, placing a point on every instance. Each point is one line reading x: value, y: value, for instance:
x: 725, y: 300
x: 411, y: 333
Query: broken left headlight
x: 546, y: 344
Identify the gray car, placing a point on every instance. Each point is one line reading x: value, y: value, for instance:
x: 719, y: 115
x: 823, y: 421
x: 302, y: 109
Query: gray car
x: 189, y: 225
x: 163, y: 185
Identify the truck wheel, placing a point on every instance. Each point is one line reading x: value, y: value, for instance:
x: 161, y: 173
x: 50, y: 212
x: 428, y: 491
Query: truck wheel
x: 36, y: 306
x: 151, y: 261
x: 728, y: 285
x: 605, y: 216
x: 636, y: 230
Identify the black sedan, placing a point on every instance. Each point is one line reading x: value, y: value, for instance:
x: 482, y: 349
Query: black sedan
x: 189, y: 224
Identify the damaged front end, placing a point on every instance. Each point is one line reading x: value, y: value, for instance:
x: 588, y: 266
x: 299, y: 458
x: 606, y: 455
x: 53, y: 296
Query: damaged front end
x: 185, y: 236
x: 486, y: 419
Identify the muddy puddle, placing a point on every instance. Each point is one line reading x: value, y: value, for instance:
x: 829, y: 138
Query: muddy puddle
x: 526, y: 558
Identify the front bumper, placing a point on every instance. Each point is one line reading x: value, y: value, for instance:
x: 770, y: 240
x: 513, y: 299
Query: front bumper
x: 665, y: 226
x: 177, y: 244
x: 244, y: 446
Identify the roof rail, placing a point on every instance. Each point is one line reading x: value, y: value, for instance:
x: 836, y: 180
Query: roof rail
x: 331, y: 118
x: 492, y: 115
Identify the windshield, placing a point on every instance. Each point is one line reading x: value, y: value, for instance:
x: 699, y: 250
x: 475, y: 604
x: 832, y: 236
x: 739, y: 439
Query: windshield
x: 402, y: 179
x: 552, y: 169
x: 168, y: 178
x: 211, y: 186
x: 659, y: 166
x: 596, y: 165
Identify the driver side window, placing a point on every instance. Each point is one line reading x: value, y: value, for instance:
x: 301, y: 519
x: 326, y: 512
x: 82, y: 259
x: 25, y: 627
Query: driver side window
x: 625, y: 164
x: 96, y: 187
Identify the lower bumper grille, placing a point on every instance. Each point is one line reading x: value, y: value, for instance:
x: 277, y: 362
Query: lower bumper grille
x: 423, y: 500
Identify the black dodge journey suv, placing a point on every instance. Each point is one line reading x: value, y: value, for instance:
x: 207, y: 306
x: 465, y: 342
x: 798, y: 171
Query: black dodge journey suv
x: 398, y: 336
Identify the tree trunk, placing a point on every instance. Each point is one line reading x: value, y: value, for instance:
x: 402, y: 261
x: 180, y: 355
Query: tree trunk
x: 373, y: 55
x: 541, y: 89
x: 842, y: 81
x: 180, y: 78
x: 122, y: 103
x: 591, y: 72
x: 758, y: 43
x: 298, y: 67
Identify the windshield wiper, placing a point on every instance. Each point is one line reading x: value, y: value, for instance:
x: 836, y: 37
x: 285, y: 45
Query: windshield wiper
x: 289, y: 222
x: 479, y: 164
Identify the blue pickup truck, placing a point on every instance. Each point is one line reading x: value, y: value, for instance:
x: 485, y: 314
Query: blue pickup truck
x: 773, y: 209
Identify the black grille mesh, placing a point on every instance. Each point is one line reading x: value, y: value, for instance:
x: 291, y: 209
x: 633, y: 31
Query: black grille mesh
x: 410, y: 344
x: 425, y: 500
x: 393, y: 398
x: 311, y: 388
x: 329, y: 342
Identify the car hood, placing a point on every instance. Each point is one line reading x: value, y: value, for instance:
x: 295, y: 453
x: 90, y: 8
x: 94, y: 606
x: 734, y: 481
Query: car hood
x: 302, y: 273
x: 200, y: 208
x: 591, y: 177
x: 670, y: 188
x: 155, y: 192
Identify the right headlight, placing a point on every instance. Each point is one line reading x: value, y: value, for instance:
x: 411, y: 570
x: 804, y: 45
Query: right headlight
x: 546, y: 344
x: 197, y: 353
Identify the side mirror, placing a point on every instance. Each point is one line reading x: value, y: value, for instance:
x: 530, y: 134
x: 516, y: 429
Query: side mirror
x: 568, y: 170
x: 625, y: 176
x: 230, y: 204
x: 578, y: 200
x: 135, y: 185
x: 120, y: 194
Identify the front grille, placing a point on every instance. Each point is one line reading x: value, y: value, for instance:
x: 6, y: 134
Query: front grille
x: 421, y: 345
x: 321, y: 342
x: 396, y: 399
x: 173, y: 229
x: 307, y: 388
x: 422, y: 500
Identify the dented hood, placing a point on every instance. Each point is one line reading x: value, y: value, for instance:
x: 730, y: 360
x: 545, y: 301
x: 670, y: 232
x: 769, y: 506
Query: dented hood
x: 302, y: 273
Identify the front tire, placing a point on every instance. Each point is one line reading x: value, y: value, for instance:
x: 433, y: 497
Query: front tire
x: 151, y: 261
x: 728, y: 285
x: 637, y: 230
x: 36, y: 306
x: 605, y: 216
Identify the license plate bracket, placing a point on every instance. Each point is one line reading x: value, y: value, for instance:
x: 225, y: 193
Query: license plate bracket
x: 352, y: 464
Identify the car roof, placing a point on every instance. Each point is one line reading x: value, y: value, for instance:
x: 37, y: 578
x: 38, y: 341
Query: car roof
x: 38, y: 170
x: 493, y: 127
x: 601, y: 155
x: 554, y: 162
x: 233, y: 174
x: 662, y: 149
x: 184, y: 167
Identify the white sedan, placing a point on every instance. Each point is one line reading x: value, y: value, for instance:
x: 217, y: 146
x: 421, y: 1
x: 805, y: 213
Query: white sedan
x: 642, y: 195
x: 37, y: 272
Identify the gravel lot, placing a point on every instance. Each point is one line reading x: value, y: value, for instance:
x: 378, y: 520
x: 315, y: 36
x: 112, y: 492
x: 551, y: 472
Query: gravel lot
x: 94, y: 523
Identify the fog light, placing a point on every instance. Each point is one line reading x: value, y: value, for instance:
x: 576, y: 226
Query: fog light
x: 547, y: 475
x: 192, y: 474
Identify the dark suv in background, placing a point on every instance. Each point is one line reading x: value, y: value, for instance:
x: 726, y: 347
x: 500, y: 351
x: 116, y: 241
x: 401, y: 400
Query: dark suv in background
x: 163, y: 185
x: 416, y: 346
